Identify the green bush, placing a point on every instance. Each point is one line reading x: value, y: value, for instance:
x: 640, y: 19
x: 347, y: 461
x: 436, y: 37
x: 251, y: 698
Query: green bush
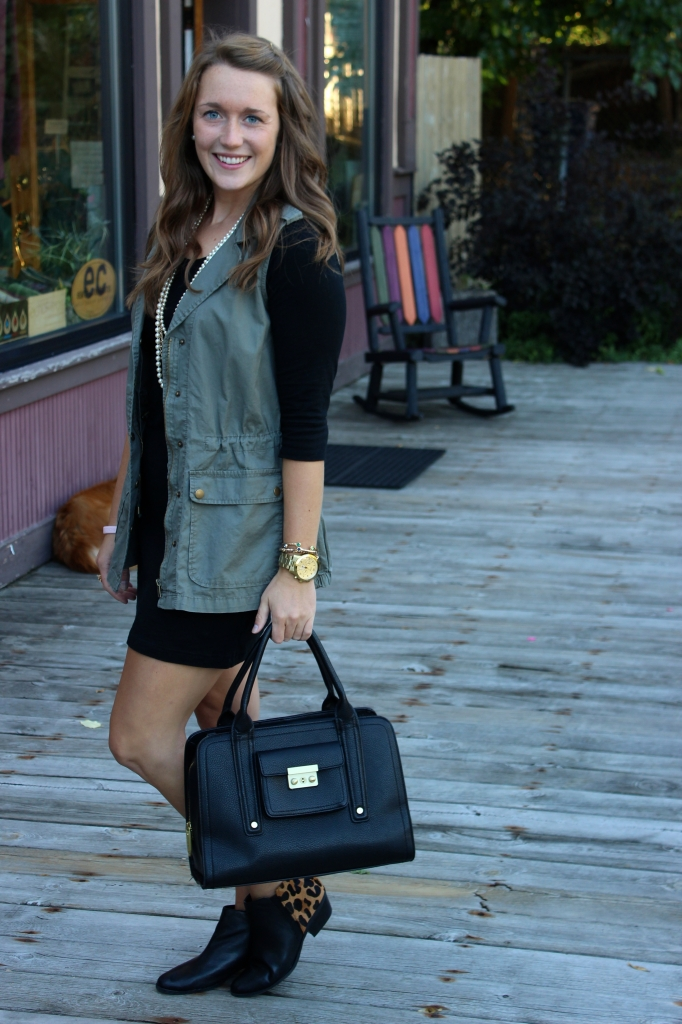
x: 527, y: 337
x: 650, y: 346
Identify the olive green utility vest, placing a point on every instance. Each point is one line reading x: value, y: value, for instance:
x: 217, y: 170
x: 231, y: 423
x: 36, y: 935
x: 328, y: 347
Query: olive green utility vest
x: 223, y: 520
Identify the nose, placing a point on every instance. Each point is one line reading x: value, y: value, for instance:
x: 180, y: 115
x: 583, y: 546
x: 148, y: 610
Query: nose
x: 231, y: 136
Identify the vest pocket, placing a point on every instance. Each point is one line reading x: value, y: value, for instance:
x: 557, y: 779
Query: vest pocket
x: 235, y: 527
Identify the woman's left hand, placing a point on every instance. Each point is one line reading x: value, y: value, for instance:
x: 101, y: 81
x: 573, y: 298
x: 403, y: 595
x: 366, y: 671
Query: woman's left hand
x: 291, y: 606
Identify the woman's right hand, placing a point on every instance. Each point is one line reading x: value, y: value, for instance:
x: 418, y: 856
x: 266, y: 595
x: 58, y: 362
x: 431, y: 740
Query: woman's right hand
x: 126, y: 592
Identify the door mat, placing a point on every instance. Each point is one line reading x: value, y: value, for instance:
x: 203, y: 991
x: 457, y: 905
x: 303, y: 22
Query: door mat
x: 353, y: 465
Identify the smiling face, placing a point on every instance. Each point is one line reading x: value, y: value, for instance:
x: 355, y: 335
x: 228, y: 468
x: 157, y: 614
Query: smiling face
x: 236, y: 126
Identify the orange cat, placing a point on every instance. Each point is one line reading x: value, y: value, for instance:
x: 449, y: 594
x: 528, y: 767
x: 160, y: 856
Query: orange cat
x: 77, y: 533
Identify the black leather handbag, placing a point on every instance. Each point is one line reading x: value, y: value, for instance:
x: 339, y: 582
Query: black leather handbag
x: 286, y: 797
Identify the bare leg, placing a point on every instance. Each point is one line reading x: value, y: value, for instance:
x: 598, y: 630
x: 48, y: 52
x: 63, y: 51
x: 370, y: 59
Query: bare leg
x: 147, y: 731
x: 208, y: 712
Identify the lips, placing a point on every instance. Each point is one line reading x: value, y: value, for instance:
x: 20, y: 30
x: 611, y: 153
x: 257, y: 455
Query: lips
x: 231, y: 162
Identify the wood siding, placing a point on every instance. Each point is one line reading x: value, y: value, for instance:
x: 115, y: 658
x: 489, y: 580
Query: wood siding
x: 57, y: 446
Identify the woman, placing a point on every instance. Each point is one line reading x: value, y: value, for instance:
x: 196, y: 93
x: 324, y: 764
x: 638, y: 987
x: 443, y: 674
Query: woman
x: 237, y: 324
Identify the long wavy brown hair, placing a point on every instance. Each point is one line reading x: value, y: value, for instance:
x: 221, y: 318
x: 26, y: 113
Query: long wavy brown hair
x: 297, y: 174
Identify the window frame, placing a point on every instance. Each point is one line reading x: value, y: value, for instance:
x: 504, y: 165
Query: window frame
x: 369, y: 121
x: 115, y: 18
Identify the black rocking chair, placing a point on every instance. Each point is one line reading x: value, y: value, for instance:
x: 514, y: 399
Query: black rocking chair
x: 407, y: 292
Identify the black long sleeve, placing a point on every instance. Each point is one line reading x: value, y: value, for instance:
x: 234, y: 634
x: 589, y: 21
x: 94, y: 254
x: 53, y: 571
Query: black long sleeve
x: 307, y: 308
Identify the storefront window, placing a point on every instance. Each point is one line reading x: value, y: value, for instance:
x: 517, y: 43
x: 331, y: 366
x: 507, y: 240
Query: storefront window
x: 57, y: 259
x: 345, y: 102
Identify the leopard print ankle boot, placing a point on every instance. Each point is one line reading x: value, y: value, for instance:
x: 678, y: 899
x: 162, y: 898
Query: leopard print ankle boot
x: 303, y: 898
x: 278, y: 925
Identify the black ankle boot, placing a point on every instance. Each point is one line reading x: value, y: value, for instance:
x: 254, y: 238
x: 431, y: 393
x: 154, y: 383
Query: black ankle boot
x: 224, y: 955
x: 278, y: 926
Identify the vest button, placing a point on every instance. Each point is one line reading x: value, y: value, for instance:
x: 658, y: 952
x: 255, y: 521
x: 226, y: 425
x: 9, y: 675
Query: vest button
x: 198, y: 493
x: 179, y: 444
x: 277, y: 491
x: 175, y: 543
x: 178, y: 494
x: 182, y: 341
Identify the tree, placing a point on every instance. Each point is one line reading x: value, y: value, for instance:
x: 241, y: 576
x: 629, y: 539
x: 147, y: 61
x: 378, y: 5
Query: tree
x: 506, y: 33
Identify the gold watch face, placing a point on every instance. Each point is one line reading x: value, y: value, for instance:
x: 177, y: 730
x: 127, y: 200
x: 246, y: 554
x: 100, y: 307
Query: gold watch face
x: 306, y: 567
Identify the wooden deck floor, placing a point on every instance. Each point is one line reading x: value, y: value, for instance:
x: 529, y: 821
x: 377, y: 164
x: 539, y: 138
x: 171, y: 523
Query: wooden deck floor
x: 514, y: 612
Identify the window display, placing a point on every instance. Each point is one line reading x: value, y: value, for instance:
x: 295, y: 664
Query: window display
x: 56, y: 243
x: 345, y: 103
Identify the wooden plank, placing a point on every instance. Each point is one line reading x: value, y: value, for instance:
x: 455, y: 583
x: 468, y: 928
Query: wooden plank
x: 400, y: 972
x: 384, y: 905
x: 24, y: 1017
x: 556, y: 773
x: 516, y: 868
x: 139, y: 1002
x: 552, y: 811
x: 563, y: 837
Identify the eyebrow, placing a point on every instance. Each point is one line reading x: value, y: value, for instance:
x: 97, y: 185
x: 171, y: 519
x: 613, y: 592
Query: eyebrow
x: 246, y: 110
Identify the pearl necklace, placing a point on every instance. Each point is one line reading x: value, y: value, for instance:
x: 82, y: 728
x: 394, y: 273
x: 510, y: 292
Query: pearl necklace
x: 159, y: 328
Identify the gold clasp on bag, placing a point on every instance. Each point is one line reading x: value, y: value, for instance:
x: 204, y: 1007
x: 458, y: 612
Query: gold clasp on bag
x: 188, y: 838
x: 302, y: 777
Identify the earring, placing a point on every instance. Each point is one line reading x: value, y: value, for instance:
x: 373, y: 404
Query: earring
x: 194, y: 136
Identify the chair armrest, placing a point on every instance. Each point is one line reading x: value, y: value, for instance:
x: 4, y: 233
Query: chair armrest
x: 382, y: 308
x: 477, y: 302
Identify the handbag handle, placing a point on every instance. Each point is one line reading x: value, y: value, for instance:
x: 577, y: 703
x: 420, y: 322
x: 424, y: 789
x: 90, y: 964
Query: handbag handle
x: 242, y: 731
x: 254, y: 656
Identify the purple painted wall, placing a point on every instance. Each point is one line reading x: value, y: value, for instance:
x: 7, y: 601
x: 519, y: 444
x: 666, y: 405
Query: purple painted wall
x: 52, y: 448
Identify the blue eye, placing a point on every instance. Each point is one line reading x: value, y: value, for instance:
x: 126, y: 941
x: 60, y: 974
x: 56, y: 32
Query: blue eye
x: 212, y: 114
x: 252, y: 119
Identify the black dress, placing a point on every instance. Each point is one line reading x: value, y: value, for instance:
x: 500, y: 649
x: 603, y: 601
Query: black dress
x: 306, y: 304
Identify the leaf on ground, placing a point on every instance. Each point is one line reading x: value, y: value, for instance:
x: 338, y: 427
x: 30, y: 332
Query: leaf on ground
x: 433, y: 1010
x: 636, y: 967
x: 90, y: 723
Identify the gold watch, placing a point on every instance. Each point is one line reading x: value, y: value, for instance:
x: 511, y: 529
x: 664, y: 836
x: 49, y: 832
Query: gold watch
x: 302, y: 567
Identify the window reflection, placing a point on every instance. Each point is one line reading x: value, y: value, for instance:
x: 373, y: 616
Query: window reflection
x: 344, y: 104
x: 55, y: 246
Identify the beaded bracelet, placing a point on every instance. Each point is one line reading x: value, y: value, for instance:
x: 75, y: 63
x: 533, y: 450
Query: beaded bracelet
x: 291, y: 548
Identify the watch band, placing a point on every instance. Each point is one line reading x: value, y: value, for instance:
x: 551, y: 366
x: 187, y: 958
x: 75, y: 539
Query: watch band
x: 302, y: 566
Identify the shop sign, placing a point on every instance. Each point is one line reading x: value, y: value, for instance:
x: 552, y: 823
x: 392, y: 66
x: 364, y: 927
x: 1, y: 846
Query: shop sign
x: 47, y: 312
x: 13, y: 320
x: 87, y: 164
x: 93, y: 289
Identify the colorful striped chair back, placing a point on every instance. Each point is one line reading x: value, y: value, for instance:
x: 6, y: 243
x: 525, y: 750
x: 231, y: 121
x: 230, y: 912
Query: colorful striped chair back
x: 408, y: 265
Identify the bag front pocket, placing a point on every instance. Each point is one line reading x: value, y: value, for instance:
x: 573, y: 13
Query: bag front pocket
x: 235, y: 527
x: 303, y: 780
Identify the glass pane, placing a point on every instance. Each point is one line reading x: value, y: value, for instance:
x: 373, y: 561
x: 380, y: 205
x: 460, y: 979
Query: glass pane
x: 56, y: 260
x: 344, y: 106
